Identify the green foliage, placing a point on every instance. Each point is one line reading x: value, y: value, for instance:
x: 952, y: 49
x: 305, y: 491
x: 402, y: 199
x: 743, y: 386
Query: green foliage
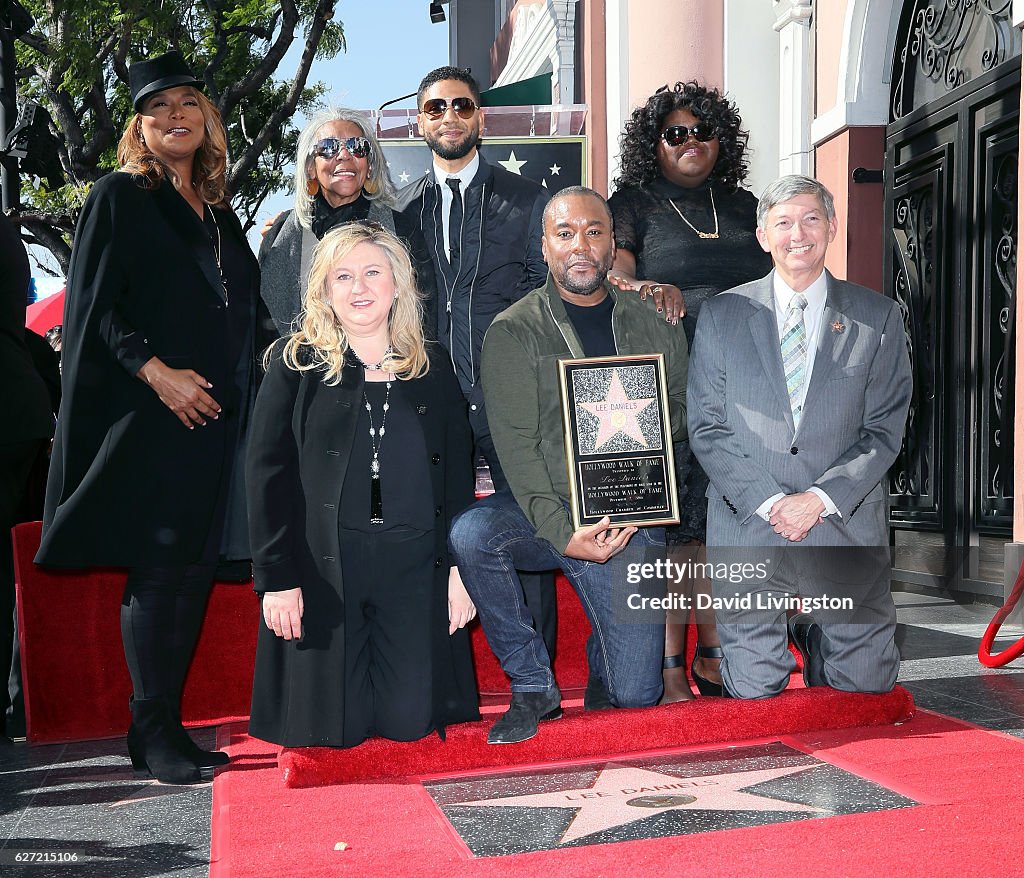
x: 74, y: 63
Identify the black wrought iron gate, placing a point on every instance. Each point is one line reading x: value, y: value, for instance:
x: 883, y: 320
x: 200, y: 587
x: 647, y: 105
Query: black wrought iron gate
x: 950, y: 262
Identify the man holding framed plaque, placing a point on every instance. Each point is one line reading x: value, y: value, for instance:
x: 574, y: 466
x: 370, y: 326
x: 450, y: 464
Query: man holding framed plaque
x: 621, y: 414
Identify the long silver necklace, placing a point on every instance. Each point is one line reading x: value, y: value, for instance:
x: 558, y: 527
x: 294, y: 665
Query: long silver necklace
x: 376, y: 438
x: 700, y: 234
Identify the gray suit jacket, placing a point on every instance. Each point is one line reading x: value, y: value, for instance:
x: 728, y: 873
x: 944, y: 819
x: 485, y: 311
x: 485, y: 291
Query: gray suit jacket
x: 741, y: 426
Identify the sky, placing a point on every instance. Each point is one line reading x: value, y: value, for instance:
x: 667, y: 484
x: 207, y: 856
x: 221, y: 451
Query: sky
x: 391, y: 45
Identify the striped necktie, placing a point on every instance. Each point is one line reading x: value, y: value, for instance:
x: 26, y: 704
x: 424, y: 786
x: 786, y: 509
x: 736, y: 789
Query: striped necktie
x: 794, y: 352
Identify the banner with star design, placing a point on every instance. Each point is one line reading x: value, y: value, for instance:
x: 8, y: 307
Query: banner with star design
x: 554, y: 162
x: 618, y: 441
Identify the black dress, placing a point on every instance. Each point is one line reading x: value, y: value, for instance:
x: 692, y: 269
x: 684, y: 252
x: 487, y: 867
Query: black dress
x: 648, y: 224
x: 375, y: 657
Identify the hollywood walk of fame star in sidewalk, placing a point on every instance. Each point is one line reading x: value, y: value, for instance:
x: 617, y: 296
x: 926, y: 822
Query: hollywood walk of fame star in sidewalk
x: 622, y: 795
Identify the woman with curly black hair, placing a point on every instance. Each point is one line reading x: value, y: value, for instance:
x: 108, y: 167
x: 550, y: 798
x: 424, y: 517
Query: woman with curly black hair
x: 684, y: 223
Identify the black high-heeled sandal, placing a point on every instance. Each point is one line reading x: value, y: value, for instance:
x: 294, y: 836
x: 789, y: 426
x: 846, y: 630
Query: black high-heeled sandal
x: 704, y: 685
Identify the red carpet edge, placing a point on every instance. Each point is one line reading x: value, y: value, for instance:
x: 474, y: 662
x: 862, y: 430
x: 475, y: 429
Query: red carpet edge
x: 581, y: 735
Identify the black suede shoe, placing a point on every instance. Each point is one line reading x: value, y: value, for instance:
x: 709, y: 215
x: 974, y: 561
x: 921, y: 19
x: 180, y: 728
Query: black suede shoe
x: 596, y: 696
x: 526, y: 710
x: 806, y: 636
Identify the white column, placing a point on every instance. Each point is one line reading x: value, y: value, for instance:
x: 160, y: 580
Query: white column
x: 796, y: 86
x: 749, y: 34
x: 617, y: 72
x: 564, y: 60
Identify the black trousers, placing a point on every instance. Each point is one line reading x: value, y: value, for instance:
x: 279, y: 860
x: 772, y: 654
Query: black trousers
x: 538, y: 588
x: 161, y: 615
x: 389, y: 593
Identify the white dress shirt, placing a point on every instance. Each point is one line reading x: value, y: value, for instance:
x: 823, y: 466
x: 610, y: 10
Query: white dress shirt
x: 465, y: 177
x: 815, y: 294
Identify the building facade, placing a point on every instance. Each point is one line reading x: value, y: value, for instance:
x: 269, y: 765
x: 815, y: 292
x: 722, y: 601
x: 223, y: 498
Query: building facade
x: 909, y: 110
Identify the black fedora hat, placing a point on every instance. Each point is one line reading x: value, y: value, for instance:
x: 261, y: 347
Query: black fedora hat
x: 156, y: 74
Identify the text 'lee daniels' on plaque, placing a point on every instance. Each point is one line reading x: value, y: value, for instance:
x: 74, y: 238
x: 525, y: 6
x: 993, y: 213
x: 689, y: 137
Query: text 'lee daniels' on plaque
x: 618, y: 440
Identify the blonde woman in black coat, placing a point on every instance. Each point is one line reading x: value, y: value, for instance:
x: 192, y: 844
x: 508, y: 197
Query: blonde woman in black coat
x: 158, y: 382
x: 359, y: 461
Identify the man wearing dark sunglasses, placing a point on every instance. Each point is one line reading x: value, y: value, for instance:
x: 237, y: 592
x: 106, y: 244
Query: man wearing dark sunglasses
x: 483, y: 228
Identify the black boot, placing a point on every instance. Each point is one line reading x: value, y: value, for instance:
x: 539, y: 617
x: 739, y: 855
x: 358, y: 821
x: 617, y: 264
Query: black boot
x: 155, y: 747
x: 202, y: 758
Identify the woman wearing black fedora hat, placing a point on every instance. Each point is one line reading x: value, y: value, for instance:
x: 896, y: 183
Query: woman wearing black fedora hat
x: 159, y: 378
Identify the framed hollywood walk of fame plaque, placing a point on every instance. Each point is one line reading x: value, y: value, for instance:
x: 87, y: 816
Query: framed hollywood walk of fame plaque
x: 618, y: 441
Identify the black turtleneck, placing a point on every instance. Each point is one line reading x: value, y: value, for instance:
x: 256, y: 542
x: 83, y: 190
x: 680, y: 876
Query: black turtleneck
x: 326, y: 217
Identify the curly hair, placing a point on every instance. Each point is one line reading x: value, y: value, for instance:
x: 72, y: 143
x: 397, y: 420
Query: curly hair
x: 638, y: 161
x: 321, y: 341
x: 209, y: 172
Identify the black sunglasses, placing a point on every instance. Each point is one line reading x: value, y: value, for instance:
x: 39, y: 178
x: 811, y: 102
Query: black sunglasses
x: 329, y: 147
x: 677, y: 135
x: 435, y: 108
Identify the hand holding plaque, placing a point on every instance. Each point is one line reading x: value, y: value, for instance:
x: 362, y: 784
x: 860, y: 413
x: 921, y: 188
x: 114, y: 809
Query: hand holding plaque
x: 618, y: 441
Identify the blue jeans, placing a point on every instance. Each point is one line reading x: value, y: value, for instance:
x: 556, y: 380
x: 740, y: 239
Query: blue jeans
x: 491, y: 541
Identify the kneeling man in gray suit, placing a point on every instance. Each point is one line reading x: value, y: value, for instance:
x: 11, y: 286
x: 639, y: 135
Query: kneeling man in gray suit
x: 798, y: 394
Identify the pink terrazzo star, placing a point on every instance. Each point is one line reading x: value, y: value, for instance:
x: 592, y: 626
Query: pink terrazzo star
x: 623, y: 795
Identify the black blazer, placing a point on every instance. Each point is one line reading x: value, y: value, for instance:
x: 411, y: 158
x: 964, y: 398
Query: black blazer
x: 129, y: 484
x: 299, y: 450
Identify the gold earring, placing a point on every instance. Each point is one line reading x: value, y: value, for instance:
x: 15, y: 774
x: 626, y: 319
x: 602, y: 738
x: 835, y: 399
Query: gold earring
x: 312, y: 187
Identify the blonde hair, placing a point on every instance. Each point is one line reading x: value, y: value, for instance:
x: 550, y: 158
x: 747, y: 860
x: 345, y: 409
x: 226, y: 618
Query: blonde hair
x: 209, y: 173
x: 320, y: 341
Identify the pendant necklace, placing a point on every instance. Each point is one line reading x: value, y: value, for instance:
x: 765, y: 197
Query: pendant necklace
x: 376, y: 438
x: 700, y: 234
x: 216, y: 255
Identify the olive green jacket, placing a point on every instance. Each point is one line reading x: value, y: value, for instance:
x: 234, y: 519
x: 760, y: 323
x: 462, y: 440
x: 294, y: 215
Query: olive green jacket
x: 519, y: 373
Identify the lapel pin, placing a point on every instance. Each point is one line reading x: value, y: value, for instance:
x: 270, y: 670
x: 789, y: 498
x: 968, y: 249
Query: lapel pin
x: 421, y: 409
x: 837, y: 326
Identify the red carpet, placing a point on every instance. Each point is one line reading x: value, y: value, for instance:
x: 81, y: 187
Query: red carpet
x: 582, y: 735
x: 76, y: 682
x: 75, y: 679
x: 970, y: 822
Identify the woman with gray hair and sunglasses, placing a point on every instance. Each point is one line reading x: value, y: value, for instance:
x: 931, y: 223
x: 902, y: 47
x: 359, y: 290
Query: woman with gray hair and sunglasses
x: 341, y: 176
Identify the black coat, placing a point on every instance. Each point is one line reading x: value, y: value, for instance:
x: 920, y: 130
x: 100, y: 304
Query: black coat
x: 129, y: 484
x: 299, y: 451
x: 501, y: 258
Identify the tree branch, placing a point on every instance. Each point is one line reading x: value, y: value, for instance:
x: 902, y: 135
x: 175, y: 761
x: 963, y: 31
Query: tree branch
x: 265, y: 69
x: 247, y: 161
x: 46, y: 229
